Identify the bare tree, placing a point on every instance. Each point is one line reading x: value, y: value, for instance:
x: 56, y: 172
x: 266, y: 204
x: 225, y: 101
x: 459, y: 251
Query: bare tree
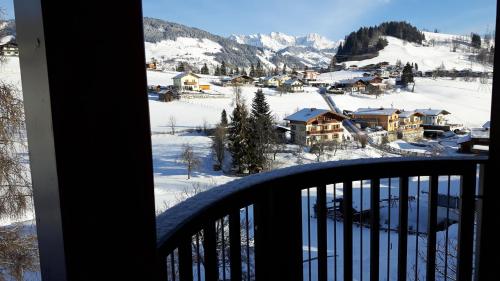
x: 320, y: 147
x: 237, y: 95
x: 219, y: 146
x: 189, y: 159
x: 18, y: 250
x: 172, y: 123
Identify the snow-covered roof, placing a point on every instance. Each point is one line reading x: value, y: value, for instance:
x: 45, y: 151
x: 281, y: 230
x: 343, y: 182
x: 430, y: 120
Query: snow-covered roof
x: 406, y: 114
x: 184, y: 74
x: 269, y: 78
x: 486, y: 125
x: 479, y: 133
x: 356, y: 79
x: 432, y: 112
x: 292, y: 81
x: 306, y: 114
x: 376, y: 111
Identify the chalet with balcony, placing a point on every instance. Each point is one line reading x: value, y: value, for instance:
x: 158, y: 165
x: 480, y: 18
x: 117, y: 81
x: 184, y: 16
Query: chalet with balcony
x: 310, y: 75
x: 9, y: 49
x: 410, y: 123
x: 293, y: 86
x: 433, y: 117
x: 240, y: 80
x: 359, y: 84
x: 387, y: 118
x: 187, y: 81
x: 310, y: 125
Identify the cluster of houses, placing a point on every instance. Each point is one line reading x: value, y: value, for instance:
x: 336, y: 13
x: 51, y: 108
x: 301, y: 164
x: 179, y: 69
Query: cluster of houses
x: 310, y: 125
x: 359, y: 84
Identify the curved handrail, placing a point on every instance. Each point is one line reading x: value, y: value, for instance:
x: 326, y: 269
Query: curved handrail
x: 187, y: 216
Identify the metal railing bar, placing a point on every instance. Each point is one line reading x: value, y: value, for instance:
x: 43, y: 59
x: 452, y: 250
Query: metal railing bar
x: 446, y: 238
x: 403, y: 228
x: 235, y: 244
x: 347, y: 202
x: 309, y: 234
x: 321, y: 232
x: 361, y: 232
x: 431, y: 228
x: 335, y: 231
x: 466, y: 224
x: 418, y: 229
x: 374, y: 229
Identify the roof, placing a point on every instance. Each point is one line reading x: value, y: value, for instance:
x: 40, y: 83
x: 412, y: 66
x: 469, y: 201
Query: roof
x: 292, y: 81
x: 376, y: 111
x: 479, y: 133
x: 486, y: 125
x: 356, y: 79
x: 432, y: 112
x: 307, y: 114
x: 184, y: 74
x: 242, y: 76
x: 268, y: 78
x: 406, y: 114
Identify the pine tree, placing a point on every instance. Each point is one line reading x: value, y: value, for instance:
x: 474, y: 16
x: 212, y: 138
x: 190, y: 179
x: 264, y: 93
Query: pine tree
x: 407, y: 75
x: 261, y: 123
x: 243, y: 71
x: 252, y: 71
x: 223, y: 69
x: 239, y: 135
x: 223, y: 118
x: 217, y: 71
x: 237, y: 72
x: 332, y: 65
x: 180, y: 67
x: 204, y: 69
x: 476, y: 40
x: 284, y: 69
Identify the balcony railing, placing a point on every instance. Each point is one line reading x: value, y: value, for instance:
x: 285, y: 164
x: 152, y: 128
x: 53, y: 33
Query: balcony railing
x: 316, y: 132
x: 263, y: 227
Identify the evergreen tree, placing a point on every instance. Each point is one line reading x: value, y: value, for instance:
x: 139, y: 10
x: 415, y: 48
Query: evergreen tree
x: 180, y: 67
x: 238, y: 138
x: 243, y: 71
x: 204, y: 69
x: 223, y: 118
x: 252, y: 71
x: 223, y: 69
x: 284, y: 69
x: 416, y: 66
x: 332, y: 65
x: 476, y: 40
x: 261, y: 123
x: 276, y: 71
x: 407, y: 75
x: 259, y: 71
x: 217, y: 71
x: 237, y: 72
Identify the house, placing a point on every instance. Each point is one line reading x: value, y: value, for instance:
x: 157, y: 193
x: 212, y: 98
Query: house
x: 310, y: 125
x: 433, y: 117
x: 271, y: 82
x: 358, y: 84
x: 9, y: 49
x: 151, y: 65
x: 187, y: 81
x: 239, y: 80
x: 310, y: 75
x: 293, y: 85
x: 410, y: 125
x: 168, y: 95
x: 387, y: 118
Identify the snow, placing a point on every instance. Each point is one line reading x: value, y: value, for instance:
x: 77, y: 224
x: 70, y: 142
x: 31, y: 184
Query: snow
x: 277, y: 41
x: 427, y: 58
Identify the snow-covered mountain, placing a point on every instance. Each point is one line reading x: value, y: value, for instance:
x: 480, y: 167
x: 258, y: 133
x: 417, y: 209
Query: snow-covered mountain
x: 277, y: 41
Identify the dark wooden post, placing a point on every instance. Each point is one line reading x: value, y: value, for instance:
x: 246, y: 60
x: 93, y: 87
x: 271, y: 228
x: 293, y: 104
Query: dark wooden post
x: 84, y: 87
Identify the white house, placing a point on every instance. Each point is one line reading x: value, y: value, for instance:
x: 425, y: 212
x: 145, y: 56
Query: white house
x: 293, y: 86
x: 433, y: 117
x: 187, y: 81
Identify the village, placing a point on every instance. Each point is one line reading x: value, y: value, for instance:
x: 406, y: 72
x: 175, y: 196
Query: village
x: 404, y: 131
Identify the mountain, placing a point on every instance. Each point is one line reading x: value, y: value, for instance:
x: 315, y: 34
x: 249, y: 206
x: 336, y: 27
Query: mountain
x: 277, y: 41
x: 173, y: 43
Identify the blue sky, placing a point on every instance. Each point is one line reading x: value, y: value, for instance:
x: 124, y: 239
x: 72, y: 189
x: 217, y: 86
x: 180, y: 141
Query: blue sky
x: 331, y: 18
